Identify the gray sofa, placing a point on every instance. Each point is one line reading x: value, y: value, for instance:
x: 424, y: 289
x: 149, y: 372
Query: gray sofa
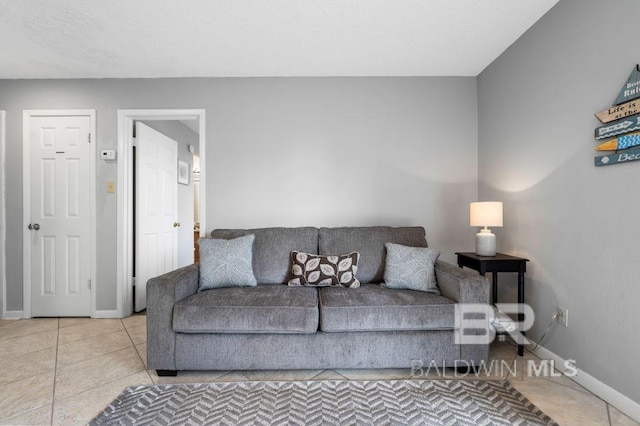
x: 274, y: 326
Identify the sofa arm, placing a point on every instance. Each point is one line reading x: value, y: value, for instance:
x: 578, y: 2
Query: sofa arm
x: 163, y: 293
x: 461, y: 285
x: 464, y: 286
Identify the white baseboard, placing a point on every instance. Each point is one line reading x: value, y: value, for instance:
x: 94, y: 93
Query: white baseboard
x: 595, y: 386
x: 13, y: 315
x: 106, y: 314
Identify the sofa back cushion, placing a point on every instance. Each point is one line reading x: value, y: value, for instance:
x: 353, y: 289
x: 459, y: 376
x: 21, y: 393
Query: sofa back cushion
x: 272, y: 249
x: 369, y: 242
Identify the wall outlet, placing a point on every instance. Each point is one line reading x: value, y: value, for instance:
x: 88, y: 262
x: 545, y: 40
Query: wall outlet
x: 562, y: 316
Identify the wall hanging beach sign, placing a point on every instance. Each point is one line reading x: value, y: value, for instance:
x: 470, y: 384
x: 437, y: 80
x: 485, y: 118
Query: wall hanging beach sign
x: 619, y: 121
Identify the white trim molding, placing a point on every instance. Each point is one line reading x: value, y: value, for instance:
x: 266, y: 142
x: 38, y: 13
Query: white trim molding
x: 595, y: 386
x: 13, y: 315
x: 26, y: 198
x: 106, y: 314
x: 3, y: 220
x: 126, y: 120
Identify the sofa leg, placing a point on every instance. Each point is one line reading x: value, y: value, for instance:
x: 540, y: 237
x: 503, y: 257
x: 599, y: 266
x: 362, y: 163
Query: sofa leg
x: 167, y: 373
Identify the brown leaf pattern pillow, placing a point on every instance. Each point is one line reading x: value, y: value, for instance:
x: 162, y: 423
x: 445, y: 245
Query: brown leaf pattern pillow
x: 324, y: 271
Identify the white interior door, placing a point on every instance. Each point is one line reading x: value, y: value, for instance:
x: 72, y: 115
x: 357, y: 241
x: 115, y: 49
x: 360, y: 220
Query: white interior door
x: 156, y: 208
x: 60, y: 226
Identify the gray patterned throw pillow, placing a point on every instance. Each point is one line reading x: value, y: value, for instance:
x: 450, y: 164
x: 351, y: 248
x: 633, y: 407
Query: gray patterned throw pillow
x: 226, y: 263
x: 411, y: 268
x: 324, y: 271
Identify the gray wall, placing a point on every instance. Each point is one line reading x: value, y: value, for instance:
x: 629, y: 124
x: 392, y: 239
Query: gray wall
x: 184, y: 136
x: 283, y: 151
x: 575, y: 222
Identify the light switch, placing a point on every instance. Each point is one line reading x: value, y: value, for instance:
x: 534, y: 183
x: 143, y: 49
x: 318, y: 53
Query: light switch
x: 111, y: 187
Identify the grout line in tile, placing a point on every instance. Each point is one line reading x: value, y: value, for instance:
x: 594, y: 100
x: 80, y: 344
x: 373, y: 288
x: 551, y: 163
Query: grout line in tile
x: 87, y: 320
x: 9, y: 324
x: 9, y: 419
x: 317, y: 374
x: 583, y: 390
x: 138, y: 352
x: 236, y: 371
x: 95, y: 387
x: 98, y: 385
x: 55, y: 373
x: 14, y: 325
x: 91, y: 336
x: 19, y: 414
x: 345, y: 377
x: 102, y: 354
x: 32, y: 374
x: 231, y: 371
x: 103, y: 383
x: 31, y: 351
x: 54, y: 380
x: 126, y: 330
x: 149, y: 374
x: 228, y: 372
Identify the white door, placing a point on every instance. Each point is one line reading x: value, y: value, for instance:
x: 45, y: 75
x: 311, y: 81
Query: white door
x: 60, y: 210
x: 156, y: 208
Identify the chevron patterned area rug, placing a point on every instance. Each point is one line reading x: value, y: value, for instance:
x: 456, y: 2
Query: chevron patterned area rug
x: 393, y: 402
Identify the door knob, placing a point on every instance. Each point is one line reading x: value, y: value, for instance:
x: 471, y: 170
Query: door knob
x: 35, y: 226
x: 176, y: 224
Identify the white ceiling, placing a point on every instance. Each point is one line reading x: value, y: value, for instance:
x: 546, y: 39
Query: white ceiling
x: 246, y: 38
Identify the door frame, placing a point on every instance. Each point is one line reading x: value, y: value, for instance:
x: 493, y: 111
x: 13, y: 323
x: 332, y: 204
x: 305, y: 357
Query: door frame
x: 125, y: 181
x: 3, y: 221
x: 27, y: 115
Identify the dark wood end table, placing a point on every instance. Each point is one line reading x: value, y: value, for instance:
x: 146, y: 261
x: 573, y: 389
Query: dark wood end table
x: 494, y: 264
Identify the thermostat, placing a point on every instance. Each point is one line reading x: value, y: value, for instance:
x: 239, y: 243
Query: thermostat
x: 108, y: 154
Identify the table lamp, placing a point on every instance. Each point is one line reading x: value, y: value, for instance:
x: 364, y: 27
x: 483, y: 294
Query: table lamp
x: 485, y: 214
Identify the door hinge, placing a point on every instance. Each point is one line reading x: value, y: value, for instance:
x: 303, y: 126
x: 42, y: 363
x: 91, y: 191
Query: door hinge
x: 133, y: 282
x: 89, y: 138
x: 89, y: 282
x: 133, y: 142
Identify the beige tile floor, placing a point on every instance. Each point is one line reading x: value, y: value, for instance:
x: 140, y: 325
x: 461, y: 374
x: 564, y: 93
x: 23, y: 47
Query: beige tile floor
x: 65, y: 371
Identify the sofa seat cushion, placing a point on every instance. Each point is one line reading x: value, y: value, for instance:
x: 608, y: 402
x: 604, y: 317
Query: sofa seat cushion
x: 260, y: 309
x: 371, y: 307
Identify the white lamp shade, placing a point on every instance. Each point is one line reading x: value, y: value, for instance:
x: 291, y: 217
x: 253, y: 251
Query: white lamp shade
x: 486, y: 213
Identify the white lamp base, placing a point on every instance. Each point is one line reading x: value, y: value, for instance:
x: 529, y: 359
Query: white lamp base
x: 485, y: 243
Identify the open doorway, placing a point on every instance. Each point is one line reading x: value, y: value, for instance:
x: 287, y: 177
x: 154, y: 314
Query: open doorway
x: 185, y: 134
x: 159, y: 119
x: 196, y: 207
